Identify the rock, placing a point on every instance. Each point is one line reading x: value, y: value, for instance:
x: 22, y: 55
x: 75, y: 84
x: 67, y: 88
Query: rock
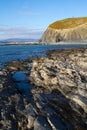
x: 11, y: 68
x: 63, y: 71
x: 58, y: 99
x: 30, y: 122
x: 55, y: 123
x: 72, y: 29
x: 1, y: 86
x: 11, y: 105
x: 3, y: 72
x: 41, y: 124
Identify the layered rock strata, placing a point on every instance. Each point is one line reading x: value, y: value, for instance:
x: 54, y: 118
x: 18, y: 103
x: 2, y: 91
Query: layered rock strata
x: 57, y: 99
x: 73, y: 29
x: 64, y: 72
x: 26, y: 112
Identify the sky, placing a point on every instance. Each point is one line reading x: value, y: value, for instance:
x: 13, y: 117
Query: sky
x: 30, y: 18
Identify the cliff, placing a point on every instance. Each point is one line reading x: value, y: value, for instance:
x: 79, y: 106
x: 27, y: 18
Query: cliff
x: 71, y: 29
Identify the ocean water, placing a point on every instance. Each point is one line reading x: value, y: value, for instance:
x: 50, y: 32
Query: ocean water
x: 21, y: 52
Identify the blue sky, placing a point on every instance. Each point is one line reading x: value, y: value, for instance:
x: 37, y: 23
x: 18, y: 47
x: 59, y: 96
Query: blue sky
x: 29, y: 18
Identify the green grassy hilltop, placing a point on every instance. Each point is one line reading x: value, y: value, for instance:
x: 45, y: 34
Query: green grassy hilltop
x: 68, y: 23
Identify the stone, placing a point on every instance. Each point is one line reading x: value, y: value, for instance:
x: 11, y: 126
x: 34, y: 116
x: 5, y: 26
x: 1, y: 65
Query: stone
x: 65, y: 71
x: 56, y: 123
x: 30, y: 122
x: 56, y: 101
x: 41, y: 124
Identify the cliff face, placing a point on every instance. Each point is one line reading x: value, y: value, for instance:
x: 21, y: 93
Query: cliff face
x: 66, y: 30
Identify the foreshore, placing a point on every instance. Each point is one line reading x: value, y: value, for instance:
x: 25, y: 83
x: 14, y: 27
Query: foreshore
x: 58, y: 97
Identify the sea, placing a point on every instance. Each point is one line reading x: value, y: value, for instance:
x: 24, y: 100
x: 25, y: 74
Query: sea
x: 21, y: 52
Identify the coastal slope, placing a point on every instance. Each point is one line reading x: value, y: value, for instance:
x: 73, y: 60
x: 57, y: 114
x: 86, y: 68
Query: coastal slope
x: 71, y: 29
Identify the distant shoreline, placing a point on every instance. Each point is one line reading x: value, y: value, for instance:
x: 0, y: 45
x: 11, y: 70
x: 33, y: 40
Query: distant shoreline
x: 10, y: 44
x: 56, y: 43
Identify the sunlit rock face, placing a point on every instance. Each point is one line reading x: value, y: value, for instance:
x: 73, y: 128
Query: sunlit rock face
x: 73, y: 29
x: 66, y: 72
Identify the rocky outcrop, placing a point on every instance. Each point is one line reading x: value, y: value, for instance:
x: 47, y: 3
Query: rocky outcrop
x: 12, y: 104
x: 56, y: 101
x: 73, y: 33
x: 62, y: 76
x: 24, y: 112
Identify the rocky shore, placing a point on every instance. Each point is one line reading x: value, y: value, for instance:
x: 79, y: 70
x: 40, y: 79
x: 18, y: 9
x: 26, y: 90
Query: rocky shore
x: 12, y: 104
x: 64, y: 72
x: 57, y: 99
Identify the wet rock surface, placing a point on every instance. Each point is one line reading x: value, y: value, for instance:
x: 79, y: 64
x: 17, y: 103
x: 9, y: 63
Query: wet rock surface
x: 56, y: 101
x: 11, y: 104
x: 63, y: 74
x: 25, y: 112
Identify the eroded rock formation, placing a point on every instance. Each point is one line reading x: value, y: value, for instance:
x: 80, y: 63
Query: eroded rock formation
x: 64, y: 72
x: 56, y: 101
x: 69, y: 31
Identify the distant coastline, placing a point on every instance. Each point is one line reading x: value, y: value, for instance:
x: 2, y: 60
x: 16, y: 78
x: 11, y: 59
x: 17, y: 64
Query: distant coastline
x: 24, y: 43
x: 18, y: 41
x: 37, y: 43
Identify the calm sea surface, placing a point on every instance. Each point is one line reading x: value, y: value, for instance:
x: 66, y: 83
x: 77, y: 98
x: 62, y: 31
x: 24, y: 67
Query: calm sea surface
x: 21, y: 52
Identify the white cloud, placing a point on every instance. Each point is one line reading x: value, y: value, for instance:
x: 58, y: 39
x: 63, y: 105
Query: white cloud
x: 16, y: 32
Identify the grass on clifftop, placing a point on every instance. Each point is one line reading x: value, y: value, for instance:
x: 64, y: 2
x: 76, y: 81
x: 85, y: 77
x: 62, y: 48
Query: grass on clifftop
x: 68, y: 23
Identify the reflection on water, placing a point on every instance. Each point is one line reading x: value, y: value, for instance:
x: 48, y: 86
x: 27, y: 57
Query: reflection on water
x: 22, y: 82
